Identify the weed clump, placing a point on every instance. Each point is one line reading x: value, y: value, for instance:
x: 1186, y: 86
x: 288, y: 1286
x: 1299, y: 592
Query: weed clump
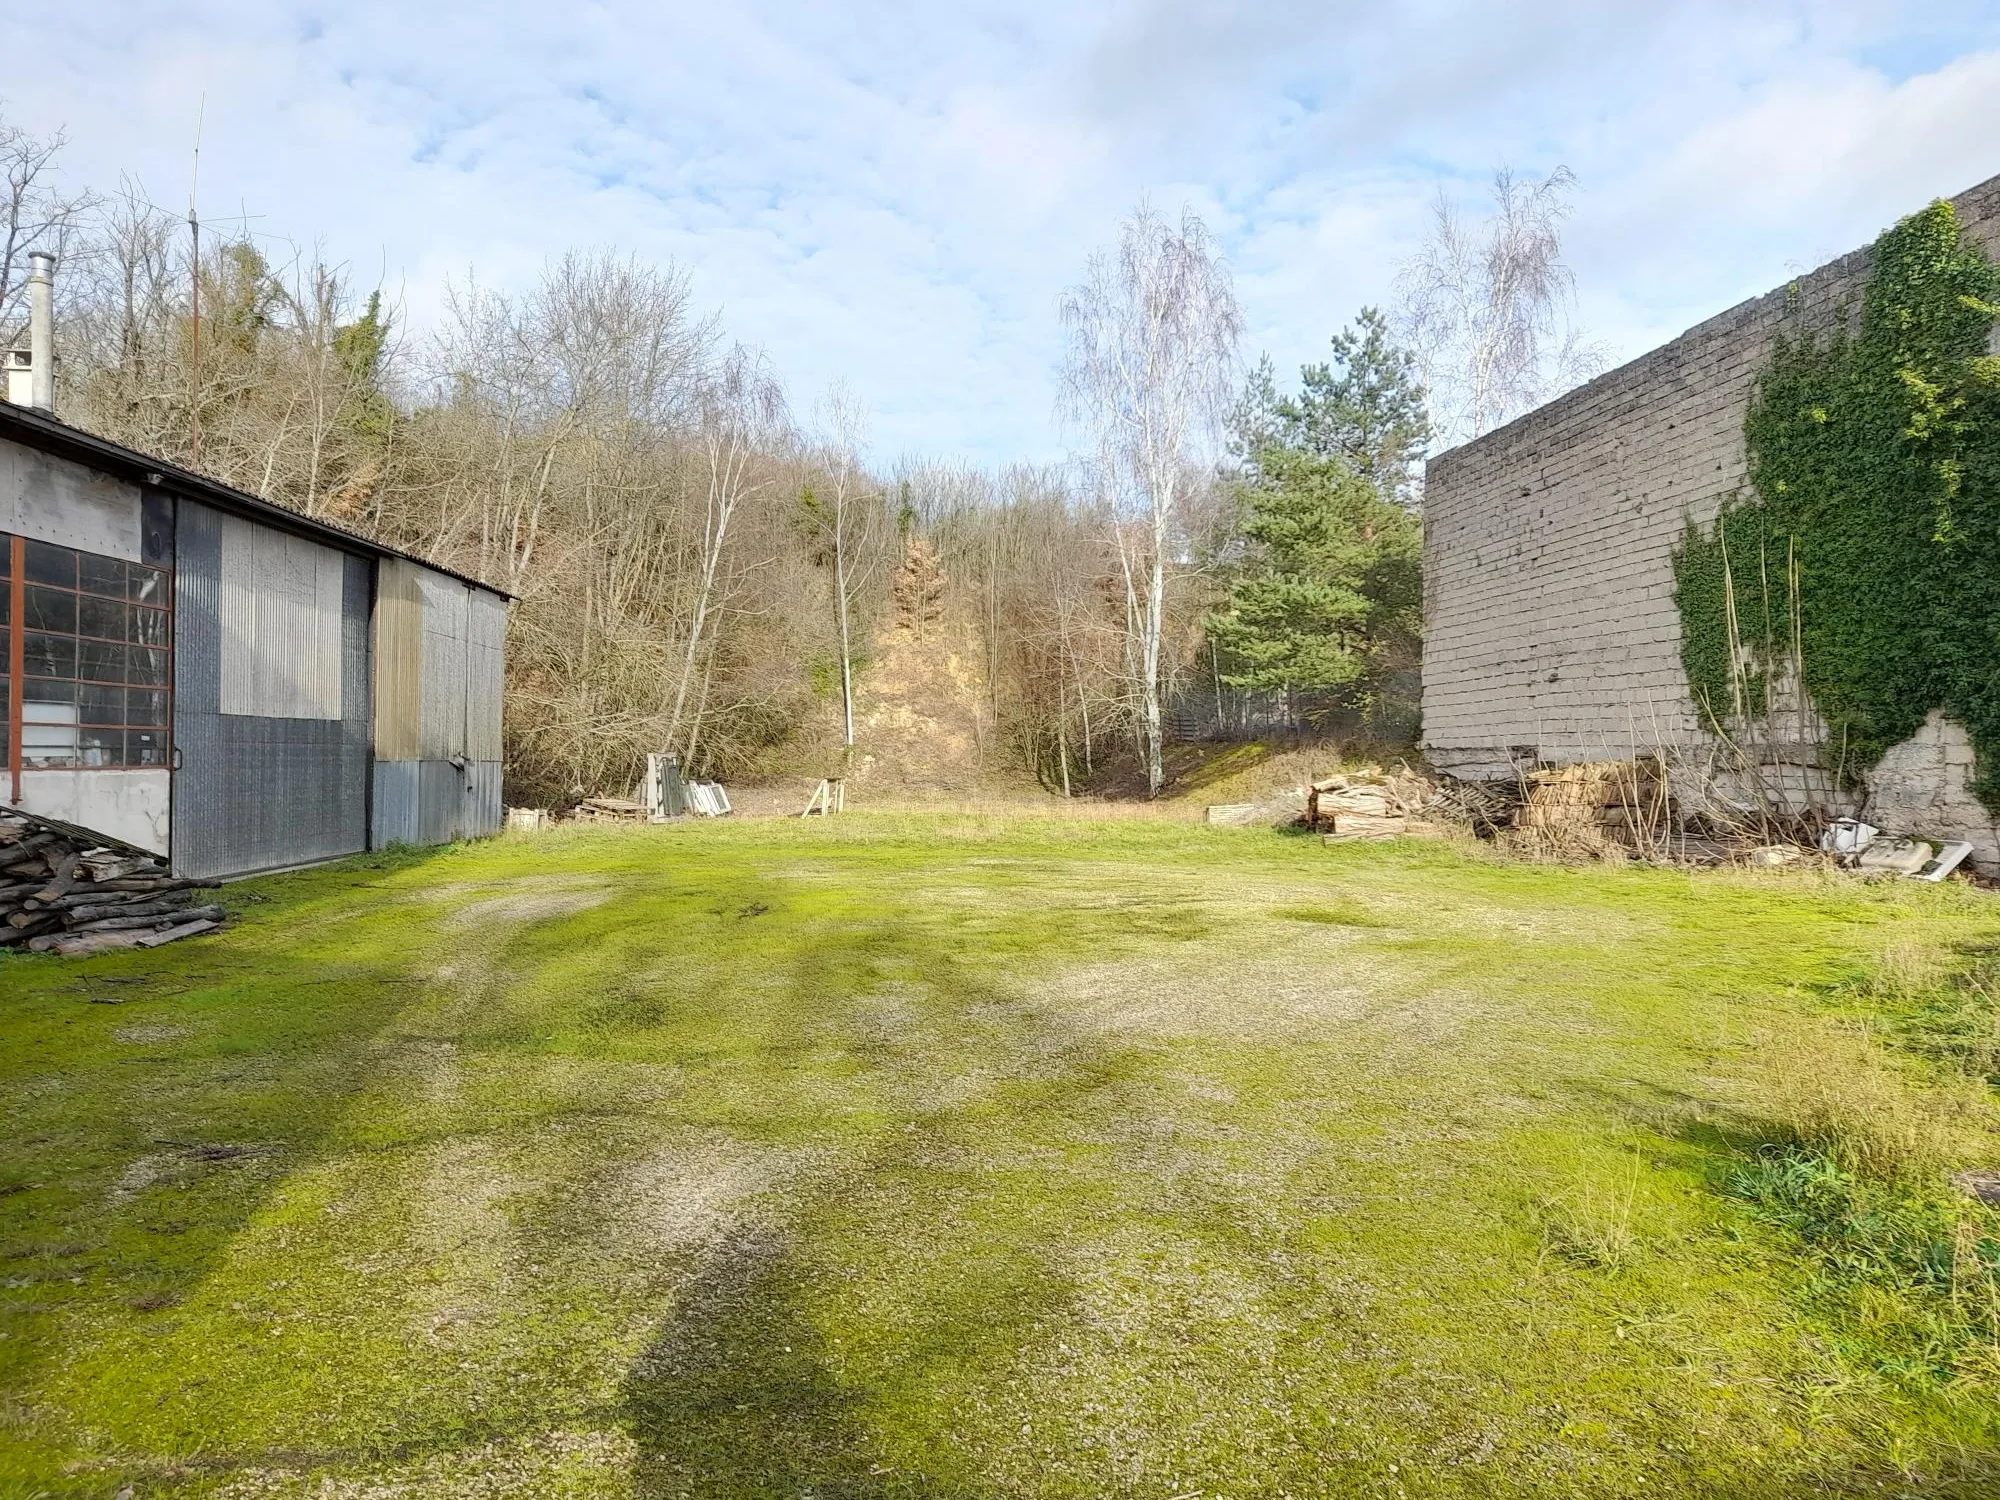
x: 1910, y: 1281
x: 1853, y: 1169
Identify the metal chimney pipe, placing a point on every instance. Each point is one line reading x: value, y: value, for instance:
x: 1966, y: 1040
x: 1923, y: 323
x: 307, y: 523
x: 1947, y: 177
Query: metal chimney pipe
x: 42, y: 328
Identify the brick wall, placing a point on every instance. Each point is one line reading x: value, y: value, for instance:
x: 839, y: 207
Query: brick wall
x: 1549, y: 616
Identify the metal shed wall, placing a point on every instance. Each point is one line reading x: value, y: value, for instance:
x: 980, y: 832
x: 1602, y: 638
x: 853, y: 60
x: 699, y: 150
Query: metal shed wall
x: 440, y: 661
x: 262, y: 790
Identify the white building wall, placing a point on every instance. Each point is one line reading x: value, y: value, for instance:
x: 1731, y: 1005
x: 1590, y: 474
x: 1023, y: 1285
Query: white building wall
x: 131, y: 806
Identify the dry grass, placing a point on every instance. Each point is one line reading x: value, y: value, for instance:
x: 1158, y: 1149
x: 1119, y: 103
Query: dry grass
x: 1833, y: 1091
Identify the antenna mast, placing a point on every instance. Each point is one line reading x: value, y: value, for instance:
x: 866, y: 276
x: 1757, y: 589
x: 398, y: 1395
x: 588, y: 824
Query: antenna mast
x: 194, y: 234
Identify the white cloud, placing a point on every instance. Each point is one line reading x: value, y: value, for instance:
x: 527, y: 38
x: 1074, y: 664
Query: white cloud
x: 896, y: 195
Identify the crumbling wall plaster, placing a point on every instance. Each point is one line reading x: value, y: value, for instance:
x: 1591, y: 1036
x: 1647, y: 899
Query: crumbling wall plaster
x: 1922, y: 786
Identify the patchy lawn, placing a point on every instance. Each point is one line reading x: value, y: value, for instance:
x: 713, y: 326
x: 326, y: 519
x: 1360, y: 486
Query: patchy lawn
x: 960, y: 1157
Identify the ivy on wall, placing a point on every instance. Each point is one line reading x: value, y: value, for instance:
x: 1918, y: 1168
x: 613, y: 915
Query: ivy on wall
x: 1866, y: 559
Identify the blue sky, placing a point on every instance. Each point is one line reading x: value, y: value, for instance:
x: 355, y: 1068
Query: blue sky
x: 894, y: 195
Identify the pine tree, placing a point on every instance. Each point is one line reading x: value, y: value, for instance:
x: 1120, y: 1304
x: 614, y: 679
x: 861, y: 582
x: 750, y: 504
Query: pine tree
x: 1367, y: 407
x: 1332, y: 588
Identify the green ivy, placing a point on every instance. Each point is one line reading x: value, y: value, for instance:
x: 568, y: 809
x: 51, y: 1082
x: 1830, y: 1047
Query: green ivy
x: 1870, y: 546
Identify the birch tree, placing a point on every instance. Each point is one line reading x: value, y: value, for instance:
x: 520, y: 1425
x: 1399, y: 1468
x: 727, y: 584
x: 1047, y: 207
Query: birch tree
x: 741, y: 411
x: 1150, y: 375
x: 1488, y: 308
x: 845, y: 511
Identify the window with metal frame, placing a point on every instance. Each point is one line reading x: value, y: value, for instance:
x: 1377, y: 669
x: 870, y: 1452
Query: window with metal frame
x: 87, y: 643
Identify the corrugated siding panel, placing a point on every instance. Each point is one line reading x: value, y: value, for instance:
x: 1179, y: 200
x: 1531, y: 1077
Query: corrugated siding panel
x: 483, y: 811
x: 280, y: 603
x: 440, y: 802
x: 399, y: 659
x: 198, y: 840
x: 486, y: 656
x: 395, y: 803
x: 444, y: 666
x: 256, y: 791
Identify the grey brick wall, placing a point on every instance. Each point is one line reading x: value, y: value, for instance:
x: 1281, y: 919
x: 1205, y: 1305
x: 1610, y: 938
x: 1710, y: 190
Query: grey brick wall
x: 1548, y: 583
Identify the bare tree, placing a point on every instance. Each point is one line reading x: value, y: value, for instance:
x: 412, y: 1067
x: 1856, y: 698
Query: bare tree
x: 1487, y: 308
x: 741, y: 417
x: 1150, y: 374
x: 38, y: 214
x: 845, y: 511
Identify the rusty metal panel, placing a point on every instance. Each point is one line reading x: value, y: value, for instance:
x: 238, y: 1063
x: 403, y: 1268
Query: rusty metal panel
x: 399, y: 660
x: 485, y: 686
x: 444, y: 667
x: 280, y: 600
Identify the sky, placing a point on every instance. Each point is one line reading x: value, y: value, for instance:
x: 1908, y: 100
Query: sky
x: 894, y: 196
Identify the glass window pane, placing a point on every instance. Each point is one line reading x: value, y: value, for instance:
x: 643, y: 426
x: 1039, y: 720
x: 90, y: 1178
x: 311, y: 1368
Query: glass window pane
x: 49, y: 702
x: 47, y: 564
x: 51, y: 609
x: 97, y: 662
x: 6, y: 554
x: 49, y: 655
x: 147, y: 585
x: 101, y: 705
x: 100, y: 575
x: 149, y: 627
x: 145, y: 747
x: 145, y: 706
x: 100, y: 747
x: 149, y: 668
x: 6, y: 598
x: 48, y: 738
x: 105, y: 618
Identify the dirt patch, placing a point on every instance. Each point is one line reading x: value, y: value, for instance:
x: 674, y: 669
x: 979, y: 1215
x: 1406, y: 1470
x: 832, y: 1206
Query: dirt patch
x: 689, y: 1197
x: 141, y: 1035
x: 535, y: 899
x: 1272, y: 997
x: 562, y: 1463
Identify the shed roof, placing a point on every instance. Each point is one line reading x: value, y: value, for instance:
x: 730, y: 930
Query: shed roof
x: 37, y: 429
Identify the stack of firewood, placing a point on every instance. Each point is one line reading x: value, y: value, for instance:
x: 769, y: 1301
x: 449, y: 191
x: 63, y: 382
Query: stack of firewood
x: 60, y: 893
x: 1596, y: 808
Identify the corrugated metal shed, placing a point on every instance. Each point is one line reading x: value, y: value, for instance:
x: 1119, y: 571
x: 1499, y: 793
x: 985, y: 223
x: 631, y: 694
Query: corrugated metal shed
x: 442, y: 729
x: 327, y: 694
x: 486, y: 674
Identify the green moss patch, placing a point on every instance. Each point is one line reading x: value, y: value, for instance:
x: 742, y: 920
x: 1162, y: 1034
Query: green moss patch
x: 987, y: 1157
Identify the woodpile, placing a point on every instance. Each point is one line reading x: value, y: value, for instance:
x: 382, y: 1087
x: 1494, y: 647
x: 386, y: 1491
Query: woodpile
x: 1596, y: 808
x: 1369, y: 805
x: 609, y: 810
x: 60, y: 893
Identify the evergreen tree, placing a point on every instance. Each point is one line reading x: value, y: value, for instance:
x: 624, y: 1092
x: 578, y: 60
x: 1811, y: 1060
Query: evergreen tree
x: 1331, y: 598
x: 1366, y: 406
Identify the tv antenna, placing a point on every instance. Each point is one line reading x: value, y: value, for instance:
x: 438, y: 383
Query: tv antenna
x: 194, y: 341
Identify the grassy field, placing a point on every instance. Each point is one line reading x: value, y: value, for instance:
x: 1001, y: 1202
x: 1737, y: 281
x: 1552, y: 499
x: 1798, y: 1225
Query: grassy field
x: 998, y: 1157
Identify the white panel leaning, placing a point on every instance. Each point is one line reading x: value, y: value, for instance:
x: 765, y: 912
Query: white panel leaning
x: 280, y: 608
